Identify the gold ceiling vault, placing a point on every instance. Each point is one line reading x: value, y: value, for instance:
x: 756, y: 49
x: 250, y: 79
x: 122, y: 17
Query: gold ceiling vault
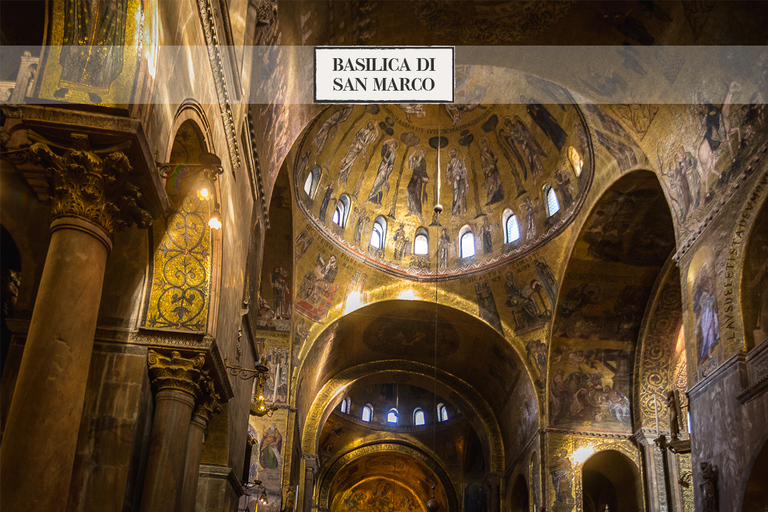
x: 390, y: 164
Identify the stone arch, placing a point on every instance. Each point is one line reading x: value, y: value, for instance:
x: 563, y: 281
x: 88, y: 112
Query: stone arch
x: 610, y: 478
x: 661, y: 359
x: 419, y: 454
x: 615, y: 260
x: 331, y: 394
x: 755, y: 493
x: 754, y: 281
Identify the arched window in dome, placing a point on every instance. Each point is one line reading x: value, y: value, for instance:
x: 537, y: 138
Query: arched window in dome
x: 378, y: 233
x: 466, y: 242
x: 392, y: 416
x: 367, y: 413
x: 511, y: 227
x: 442, y: 412
x: 345, y: 405
x: 418, y: 417
x: 341, y: 213
x: 550, y: 198
x: 421, y: 242
x: 311, y: 181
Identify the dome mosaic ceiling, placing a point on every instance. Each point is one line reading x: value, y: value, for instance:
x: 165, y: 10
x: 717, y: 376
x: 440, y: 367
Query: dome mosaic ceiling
x: 380, y: 162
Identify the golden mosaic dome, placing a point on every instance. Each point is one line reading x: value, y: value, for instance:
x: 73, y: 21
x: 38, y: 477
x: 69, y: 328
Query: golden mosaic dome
x: 511, y: 177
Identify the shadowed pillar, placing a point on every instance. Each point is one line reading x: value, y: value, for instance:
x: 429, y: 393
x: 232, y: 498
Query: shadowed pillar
x: 91, y: 199
x: 177, y: 381
x: 492, y: 482
x: 311, y: 464
x: 206, y: 406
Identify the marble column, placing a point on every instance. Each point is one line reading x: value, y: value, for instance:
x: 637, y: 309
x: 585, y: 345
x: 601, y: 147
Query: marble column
x: 177, y: 381
x: 91, y: 198
x: 311, y: 465
x: 207, y: 405
x: 492, y: 482
x: 655, y: 491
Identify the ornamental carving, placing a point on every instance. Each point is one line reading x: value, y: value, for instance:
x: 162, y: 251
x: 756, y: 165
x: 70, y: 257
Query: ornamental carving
x: 90, y: 187
x: 209, y: 401
x: 176, y: 372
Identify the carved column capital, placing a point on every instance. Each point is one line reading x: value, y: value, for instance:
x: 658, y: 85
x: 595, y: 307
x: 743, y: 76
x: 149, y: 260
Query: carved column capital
x: 311, y: 461
x: 91, y: 187
x: 174, y: 372
x: 209, y: 401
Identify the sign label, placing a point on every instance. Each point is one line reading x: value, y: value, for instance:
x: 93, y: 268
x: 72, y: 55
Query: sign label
x: 384, y: 75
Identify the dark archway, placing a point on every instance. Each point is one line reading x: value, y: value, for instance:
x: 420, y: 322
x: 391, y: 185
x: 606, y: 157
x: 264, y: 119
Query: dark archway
x: 519, y: 498
x: 610, y: 479
x: 11, y: 274
x: 756, y: 494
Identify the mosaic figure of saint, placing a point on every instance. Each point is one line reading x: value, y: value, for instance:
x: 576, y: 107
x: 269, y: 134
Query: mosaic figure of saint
x: 531, y: 150
x: 456, y: 172
x: 269, y: 451
x: 363, y: 138
x: 492, y: 185
x: 417, y: 187
x: 705, y: 309
x: 92, y: 47
x: 328, y: 130
x: 443, y: 245
x: 381, y: 182
x: 530, y: 221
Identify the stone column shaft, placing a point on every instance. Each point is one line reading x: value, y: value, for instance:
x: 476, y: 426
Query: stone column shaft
x: 208, y: 404
x: 44, y: 418
x: 192, y: 465
x: 91, y: 198
x: 311, y: 466
x: 176, y: 378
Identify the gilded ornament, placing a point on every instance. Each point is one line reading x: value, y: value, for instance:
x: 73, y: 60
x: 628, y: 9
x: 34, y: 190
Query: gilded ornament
x: 176, y: 372
x: 92, y: 188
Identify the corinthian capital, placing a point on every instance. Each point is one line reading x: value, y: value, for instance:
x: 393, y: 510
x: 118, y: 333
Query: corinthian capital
x: 209, y: 400
x: 85, y: 185
x: 176, y: 372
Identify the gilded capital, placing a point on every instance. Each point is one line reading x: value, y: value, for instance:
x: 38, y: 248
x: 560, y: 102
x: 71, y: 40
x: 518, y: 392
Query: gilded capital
x: 176, y: 372
x: 209, y: 401
x: 94, y: 188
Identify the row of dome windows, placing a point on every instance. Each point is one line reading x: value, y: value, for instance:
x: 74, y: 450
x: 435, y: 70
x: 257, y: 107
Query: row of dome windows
x: 393, y: 416
x: 421, y: 239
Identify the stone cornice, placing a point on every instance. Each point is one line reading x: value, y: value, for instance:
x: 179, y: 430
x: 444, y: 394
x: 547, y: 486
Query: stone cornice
x: 25, y: 121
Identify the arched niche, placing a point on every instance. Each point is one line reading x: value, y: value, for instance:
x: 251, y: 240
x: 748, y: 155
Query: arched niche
x: 275, y: 297
x: 610, y: 478
x: 610, y: 276
x: 661, y: 363
x: 518, y: 500
x: 756, y: 492
x: 185, y: 250
x: 382, y: 471
x: 410, y: 336
x: 754, y: 282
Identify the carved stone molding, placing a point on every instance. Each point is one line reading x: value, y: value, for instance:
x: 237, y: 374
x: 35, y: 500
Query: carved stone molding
x: 90, y: 187
x: 209, y: 401
x: 173, y: 371
x: 208, y: 20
